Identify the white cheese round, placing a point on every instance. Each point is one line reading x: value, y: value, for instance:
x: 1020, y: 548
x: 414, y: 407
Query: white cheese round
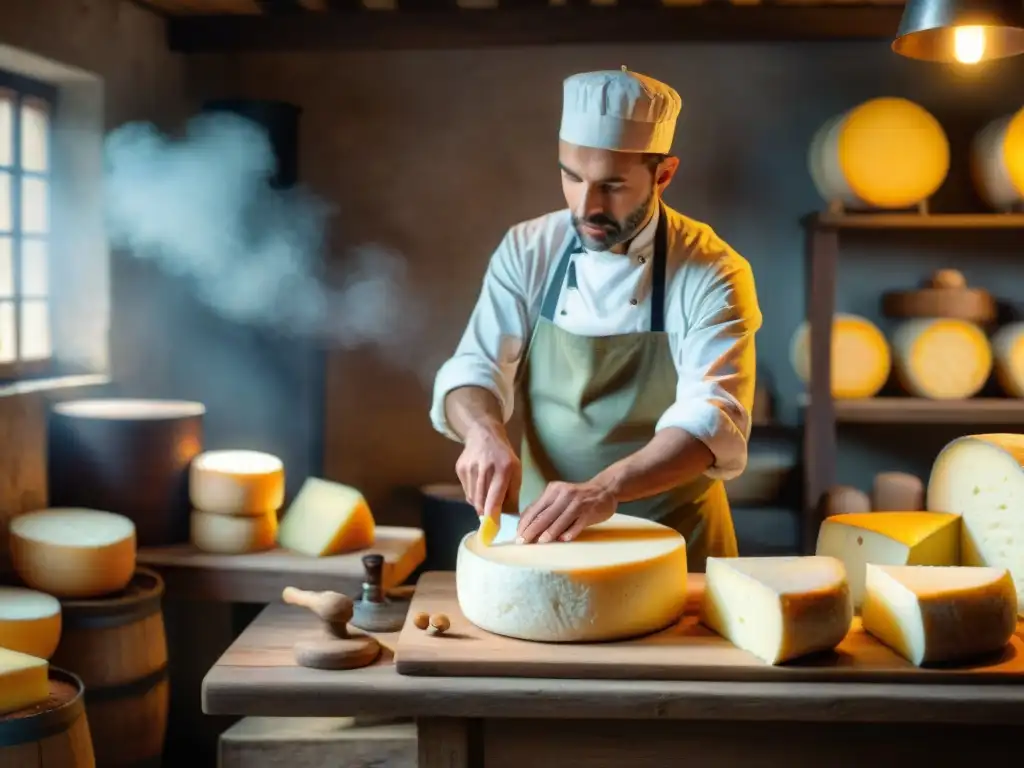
x: 233, y: 534
x: 621, y: 578
x: 236, y: 482
x: 30, y: 622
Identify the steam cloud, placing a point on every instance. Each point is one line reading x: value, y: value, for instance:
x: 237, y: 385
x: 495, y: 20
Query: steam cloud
x: 202, y: 207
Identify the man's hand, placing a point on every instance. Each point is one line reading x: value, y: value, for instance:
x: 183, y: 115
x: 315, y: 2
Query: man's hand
x: 564, y: 510
x: 488, y: 469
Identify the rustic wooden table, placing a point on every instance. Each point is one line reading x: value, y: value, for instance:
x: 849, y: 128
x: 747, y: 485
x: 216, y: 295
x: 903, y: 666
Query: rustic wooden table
x: 511, y: 722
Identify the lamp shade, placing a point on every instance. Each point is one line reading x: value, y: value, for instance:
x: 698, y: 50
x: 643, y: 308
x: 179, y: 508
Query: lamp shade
x: 966, y: 31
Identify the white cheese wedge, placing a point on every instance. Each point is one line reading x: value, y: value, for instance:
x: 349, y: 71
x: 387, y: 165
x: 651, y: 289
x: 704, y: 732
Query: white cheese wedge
x: 30, y: 621
x: 621, y: 578
x: 70, y: 552
x: 233, y: 534
x: 980, y: 478
x: 24, y: 681
x: 236, y: 482
x: 327, y: 518
x: 888, y: 538
x: 778, y: 608
x: 940, y: 614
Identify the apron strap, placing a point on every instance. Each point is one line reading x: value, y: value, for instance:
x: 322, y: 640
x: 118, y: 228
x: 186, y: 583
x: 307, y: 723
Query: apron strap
x: 547, y: 309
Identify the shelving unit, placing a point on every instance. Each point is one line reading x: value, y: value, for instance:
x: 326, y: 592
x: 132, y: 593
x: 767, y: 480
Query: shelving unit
x: 822, y: 413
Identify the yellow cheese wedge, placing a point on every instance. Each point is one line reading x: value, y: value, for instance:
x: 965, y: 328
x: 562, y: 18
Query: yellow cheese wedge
x: 778, y: 608
x: 24, y: 681
x: 981, y: 478
x: 69, y: 552
x: 888, y: 538
x: 1008, y: 353
x: 861, y: 359
x: 488, y: 530
x: 327, y: 518
x: 236, y: 482
x: 621, y: 578
x: 233, y: 534
x: 30, y: 621
x: 941, y: 359
x: 940, y: 614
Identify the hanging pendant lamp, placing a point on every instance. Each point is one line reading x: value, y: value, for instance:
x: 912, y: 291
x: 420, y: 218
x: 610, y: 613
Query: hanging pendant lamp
x: 964, y: 31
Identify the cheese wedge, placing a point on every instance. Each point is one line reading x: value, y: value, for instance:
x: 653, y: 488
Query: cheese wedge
x: 30, y: 622
x: 236, y: 482
x: 621, y: 578
x: 888, y: 538
x: 24, y: 681
x: 981, y: 478
x: 233, y: 534
x: 778, y: 608
x: 327, y: 518
x: 488, y: 530
x: 940, y: 614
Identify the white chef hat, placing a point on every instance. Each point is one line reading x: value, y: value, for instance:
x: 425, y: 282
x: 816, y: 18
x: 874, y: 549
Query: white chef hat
x: 619, y: 110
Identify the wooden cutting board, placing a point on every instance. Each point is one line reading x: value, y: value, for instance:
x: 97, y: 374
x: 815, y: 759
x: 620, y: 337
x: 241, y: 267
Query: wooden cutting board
x: 687, y: 651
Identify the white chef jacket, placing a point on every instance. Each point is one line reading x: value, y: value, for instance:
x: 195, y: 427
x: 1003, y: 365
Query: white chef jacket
x: 711, y: 317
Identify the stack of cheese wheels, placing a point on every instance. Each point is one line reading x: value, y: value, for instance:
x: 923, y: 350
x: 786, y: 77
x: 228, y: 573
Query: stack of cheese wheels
x: 885, y: 153
x: 73, y: 553
x: 236, y: 495
x: 621, y: 578
x: 941, y: 358
x: 997, y: 162
x: 860, y: 359
x: 1008, y: 358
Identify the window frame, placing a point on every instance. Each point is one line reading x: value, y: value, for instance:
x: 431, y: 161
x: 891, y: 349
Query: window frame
x: 24, y: 87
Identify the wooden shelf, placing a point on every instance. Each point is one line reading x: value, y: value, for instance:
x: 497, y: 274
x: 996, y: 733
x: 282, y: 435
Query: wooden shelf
x: 915, y: 410
x: 893, y: 221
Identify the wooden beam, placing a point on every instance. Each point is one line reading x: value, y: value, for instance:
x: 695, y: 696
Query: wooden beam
x: 569, y: 24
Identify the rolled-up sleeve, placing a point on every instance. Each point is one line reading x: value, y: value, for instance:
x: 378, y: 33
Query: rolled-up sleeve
x: 716, y: 363
x: 491, y: 347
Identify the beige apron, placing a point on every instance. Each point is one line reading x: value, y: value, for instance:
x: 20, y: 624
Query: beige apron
x: 591, y: 401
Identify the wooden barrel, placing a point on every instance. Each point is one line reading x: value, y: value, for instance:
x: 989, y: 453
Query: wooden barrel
x: 54, y: 734
x: 997, y: 162
x: 886, y: 153
x: 127, y: 456
x: 118, y: 647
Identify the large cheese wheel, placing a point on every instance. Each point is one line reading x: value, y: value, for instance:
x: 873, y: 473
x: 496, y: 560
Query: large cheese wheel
x: 997, y: 162
x: 70, y: 552
x: 233, y: 534
x: 941, y: 358
x: 885, y: 153
x: 30, y: 621
x: 620, y: 578
x: 236, y: 482
x: 860, y: 359
x: 981, y: 478
x: 1008, y: 358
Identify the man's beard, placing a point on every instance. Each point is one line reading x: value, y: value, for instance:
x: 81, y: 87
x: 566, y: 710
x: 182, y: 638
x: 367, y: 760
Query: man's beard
x: 615, y: 232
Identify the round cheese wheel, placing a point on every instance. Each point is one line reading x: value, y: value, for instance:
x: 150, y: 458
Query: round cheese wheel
x: 70, y: 552
x: 621, y: 578
x: 885, y: 153
x: 236, y: 482
x: 860, y: 361
x: 941, y: 358
x: 997, y: 162
x: 233, y: 534
x: 1008, y: 353
x: 30, y: 622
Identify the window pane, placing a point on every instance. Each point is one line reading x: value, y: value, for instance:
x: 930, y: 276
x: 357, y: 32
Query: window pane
x: 33, y: 206
x: 6, y: 128
x: 6, y: 215
x: 35, y: 276
x: 35, y: 330
x: 7, y: 350
x: 6, y: 268
x: 35, y: 132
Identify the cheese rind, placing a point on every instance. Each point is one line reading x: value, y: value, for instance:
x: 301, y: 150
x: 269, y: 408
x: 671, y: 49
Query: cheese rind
x: 860, y: 358
x: 327, y: 518
x: 941, y: 358
x: 624, y: 577
x: 778, y: 608
x: 236, y: 482
x: 70, y: 552
x: 888, y: 538
x: 940, y: 614
x: 24, y: 680
x: 981, y: 478
x: 30, y: 621
x: 233, y: 534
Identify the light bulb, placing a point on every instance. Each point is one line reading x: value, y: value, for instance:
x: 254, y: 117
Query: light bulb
x: 968, y: 44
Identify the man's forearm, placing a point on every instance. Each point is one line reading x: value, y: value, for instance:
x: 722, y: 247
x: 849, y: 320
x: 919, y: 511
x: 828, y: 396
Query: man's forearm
x: 468, y: 408
x: 671, y: 458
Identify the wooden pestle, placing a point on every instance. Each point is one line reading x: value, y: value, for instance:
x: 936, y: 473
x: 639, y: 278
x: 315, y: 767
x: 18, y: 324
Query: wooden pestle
x: 334, y: 608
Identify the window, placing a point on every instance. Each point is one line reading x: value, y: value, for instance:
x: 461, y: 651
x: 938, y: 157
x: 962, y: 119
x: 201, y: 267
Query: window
x: 26, y: 111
